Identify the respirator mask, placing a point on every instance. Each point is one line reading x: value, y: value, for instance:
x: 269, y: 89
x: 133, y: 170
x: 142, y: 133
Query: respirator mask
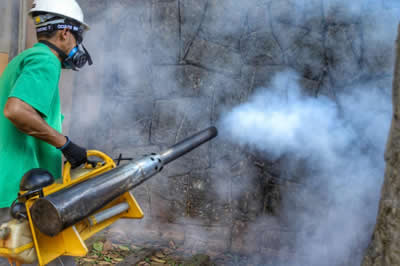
x: 76, y: 58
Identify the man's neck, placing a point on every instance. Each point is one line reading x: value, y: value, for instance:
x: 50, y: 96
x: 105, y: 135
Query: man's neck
x: 52, y: 50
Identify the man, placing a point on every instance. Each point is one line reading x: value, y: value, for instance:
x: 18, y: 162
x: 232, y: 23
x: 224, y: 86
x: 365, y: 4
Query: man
x: 30, y: 124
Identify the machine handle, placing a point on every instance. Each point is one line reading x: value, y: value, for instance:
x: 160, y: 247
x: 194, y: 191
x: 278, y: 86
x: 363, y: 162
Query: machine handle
x: 107, y: 163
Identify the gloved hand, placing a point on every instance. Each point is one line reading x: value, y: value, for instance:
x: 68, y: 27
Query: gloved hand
x: 74, y: 154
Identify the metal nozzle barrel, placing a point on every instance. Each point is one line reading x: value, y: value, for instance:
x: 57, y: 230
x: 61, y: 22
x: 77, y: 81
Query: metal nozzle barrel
x: 58, y: 211
x: 188, y: 145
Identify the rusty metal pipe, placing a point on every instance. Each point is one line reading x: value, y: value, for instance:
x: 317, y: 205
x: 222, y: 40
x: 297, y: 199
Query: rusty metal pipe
x: 58, y: 211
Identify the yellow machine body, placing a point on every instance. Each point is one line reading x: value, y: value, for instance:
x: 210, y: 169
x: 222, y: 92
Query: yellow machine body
x: 30, y: 244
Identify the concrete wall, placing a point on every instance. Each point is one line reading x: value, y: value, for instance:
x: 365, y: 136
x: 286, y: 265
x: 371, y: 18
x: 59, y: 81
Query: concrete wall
x: 165, y: 69
x: 5, y: 29
x: 5, y: 26
x: 13, y: 25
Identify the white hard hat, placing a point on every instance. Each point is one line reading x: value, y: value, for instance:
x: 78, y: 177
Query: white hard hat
x: 65, y: 8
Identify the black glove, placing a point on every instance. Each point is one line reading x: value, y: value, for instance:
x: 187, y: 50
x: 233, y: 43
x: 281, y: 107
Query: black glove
x: 74, y: 154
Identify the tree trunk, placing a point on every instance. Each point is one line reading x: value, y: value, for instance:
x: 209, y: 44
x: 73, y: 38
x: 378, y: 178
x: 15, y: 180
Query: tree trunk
x: 384, y: 249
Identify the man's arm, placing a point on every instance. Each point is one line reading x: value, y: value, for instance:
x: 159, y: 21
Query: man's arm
x: 30, y: 122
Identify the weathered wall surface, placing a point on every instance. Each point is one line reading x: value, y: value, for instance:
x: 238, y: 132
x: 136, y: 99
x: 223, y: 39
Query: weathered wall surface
x: 5, y: 26
x: 165, y: 69
x: 12, y: 29
x: 5, y: 33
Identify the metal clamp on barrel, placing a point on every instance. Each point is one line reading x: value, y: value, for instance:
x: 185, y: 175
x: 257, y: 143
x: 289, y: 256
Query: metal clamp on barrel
x: 106, y: 164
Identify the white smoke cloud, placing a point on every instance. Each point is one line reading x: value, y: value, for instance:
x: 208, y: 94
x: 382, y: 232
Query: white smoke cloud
x: 342, y: 143
x: 287, y: 121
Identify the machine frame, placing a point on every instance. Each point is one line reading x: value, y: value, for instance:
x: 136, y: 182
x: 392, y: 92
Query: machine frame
x: 70, y: 242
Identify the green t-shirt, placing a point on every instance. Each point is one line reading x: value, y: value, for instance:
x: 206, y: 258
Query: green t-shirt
x: 33, y: 77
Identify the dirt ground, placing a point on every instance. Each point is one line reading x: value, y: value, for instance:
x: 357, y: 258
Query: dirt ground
x: 109, y: 251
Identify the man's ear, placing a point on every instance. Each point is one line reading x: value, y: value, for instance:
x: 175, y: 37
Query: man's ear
x: 63, y: 35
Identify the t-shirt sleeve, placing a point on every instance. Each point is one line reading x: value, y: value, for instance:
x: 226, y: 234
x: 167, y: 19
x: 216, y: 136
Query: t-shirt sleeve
x: 37, y: 83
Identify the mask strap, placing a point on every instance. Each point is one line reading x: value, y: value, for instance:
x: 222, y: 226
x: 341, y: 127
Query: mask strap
x: 73, y: 51
x: 55, y: 48
x: 90, y: 62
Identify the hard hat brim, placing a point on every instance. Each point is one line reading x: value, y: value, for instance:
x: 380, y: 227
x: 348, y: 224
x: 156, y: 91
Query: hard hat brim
x: 87, y: 27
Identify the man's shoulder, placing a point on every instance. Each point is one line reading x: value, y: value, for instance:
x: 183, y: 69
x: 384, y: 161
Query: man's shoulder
x: 38, y: 54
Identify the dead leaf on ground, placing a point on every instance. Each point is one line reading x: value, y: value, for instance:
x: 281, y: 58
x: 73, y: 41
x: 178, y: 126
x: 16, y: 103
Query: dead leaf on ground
x: 172, y: 244
x: 160, y: 254
x: 135, y: 247
x: 98, y: 245
x: 157, y: 264
x: 105, y: 263
x: 167, y: 251
x: 107, y: 246
x: 88, y: 260
x: 115, y: 256
x: 157, y: 260
x: 124, y: 248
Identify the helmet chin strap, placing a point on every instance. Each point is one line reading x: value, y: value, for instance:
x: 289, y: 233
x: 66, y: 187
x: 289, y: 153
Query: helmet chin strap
x: 55, y: 48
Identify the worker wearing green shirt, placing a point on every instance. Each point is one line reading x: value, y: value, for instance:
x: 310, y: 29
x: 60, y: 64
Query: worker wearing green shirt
x: 30, y: 121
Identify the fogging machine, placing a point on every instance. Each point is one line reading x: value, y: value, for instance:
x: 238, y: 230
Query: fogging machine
x: 53, y: 220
